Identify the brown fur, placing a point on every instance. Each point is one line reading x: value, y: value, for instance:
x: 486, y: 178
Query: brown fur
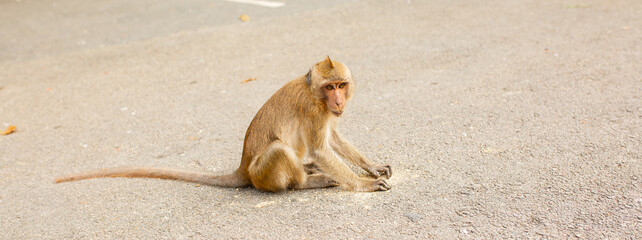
x: 298, y: 120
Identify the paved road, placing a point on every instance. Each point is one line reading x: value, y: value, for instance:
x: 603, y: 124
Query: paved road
x: 501, y: 119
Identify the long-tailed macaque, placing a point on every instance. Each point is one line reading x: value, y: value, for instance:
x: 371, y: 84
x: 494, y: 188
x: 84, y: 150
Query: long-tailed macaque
x: 298, y: 121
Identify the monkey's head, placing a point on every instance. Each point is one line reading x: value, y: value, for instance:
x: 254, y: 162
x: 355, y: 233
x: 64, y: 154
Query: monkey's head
x: 331, y: 82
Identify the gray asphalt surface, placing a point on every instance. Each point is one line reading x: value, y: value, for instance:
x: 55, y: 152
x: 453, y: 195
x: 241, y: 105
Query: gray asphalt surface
x: 501, y: 119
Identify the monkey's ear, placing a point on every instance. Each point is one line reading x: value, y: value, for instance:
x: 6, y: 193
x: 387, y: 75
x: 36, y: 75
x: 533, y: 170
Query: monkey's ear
x: 327, y: 58
x: 308, y: 76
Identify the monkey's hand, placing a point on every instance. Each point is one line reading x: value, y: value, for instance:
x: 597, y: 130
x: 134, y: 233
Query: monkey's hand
x: 380, y: 171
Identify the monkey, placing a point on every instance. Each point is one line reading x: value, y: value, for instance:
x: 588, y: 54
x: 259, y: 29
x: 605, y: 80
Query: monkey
x: 299, y: 120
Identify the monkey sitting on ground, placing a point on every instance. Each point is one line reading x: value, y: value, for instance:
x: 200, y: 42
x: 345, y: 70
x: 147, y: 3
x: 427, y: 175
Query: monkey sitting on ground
x: 298, y: 120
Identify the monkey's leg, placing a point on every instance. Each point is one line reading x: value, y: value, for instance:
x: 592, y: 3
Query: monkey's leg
x: 278, y: 168
x: 317, y: 180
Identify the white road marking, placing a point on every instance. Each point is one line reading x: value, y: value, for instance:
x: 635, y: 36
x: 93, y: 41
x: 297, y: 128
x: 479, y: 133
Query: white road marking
x: 260, y: 3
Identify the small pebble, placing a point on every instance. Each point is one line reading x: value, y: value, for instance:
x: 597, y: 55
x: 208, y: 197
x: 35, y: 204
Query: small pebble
x: 413, y: 216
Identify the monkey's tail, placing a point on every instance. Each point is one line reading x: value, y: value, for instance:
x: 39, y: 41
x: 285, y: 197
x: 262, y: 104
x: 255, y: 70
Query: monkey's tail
x: 228, y: 180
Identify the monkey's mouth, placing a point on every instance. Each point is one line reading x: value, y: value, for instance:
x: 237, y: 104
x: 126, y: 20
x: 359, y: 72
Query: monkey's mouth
x: 337, y: 113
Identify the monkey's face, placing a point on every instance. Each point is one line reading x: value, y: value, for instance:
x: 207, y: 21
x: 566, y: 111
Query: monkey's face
x: 331, y: 83
x: 335, y: 96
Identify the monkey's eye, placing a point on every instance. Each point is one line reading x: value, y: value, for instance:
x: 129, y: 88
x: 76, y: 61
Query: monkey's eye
x: 329, y: 87
x: 342, y: 85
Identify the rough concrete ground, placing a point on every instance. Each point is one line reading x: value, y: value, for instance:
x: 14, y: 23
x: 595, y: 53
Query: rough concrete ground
x: 501, y: 119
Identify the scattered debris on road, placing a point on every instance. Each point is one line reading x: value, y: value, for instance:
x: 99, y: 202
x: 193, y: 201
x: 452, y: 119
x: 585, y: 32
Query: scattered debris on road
x: 248, y: 80
x: 244, y: 18
x: 9, y: 130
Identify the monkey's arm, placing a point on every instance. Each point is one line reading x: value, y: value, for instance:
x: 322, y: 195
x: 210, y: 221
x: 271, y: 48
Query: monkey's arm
x: 344, y: 149
x: 330, y: 164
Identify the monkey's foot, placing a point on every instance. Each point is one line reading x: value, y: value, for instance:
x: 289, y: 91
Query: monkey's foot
x: 371, y: 185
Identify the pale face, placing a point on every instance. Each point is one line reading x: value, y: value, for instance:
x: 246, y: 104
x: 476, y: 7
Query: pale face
x: 335, y: 96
